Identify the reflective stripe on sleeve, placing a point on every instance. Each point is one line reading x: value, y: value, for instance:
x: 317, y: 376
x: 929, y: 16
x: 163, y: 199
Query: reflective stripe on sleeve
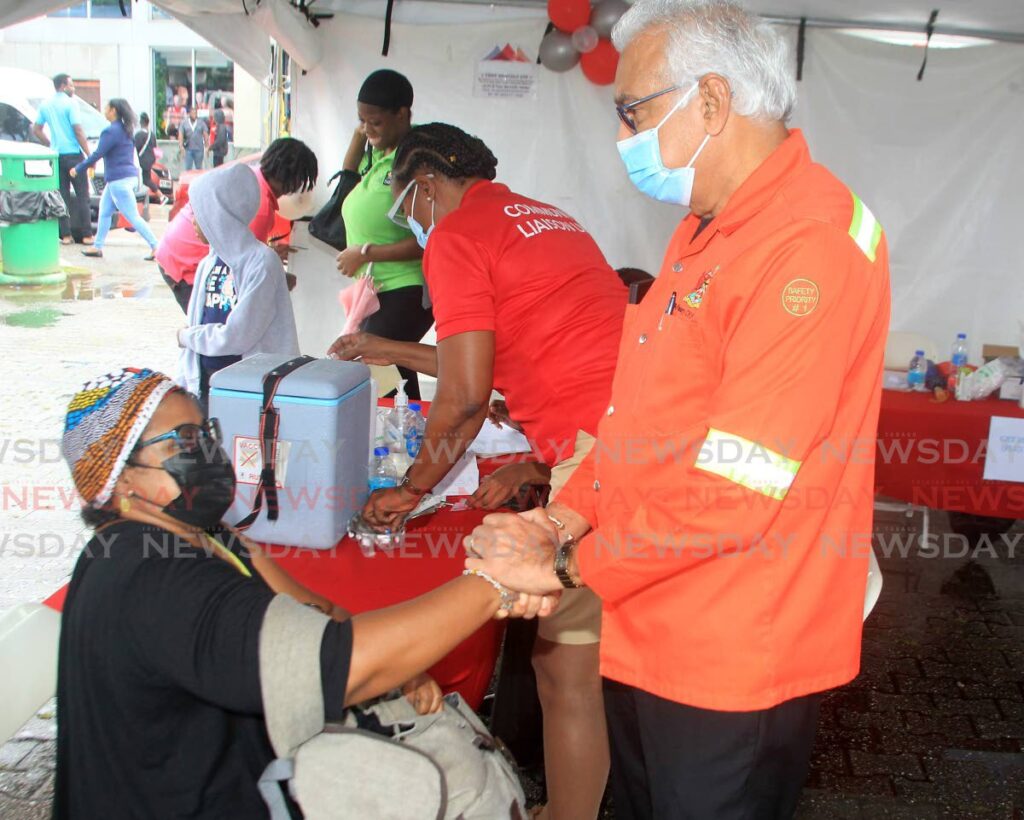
x: 865, y: 229
x: 747, y: 463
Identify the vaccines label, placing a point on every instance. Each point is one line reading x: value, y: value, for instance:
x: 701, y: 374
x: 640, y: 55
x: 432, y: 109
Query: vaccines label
x: 248, y: 461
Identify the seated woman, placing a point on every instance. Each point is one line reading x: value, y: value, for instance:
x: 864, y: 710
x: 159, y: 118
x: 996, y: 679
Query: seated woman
x: 158, y: 672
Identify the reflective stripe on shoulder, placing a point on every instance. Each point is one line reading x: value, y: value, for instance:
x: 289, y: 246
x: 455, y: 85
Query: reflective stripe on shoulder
x: 747, y: 463
x: 865, y: 229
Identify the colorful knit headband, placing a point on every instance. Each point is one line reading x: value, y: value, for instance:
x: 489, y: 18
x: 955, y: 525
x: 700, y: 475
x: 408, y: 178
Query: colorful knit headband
x: 105, y: 421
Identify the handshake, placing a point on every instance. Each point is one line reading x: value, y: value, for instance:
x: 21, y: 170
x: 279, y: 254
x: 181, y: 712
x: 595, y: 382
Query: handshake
x: 518, y: 553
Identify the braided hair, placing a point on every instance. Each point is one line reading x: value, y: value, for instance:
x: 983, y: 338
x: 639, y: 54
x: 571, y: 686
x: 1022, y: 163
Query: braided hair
x: 442, y: 149
x: 291, y: 163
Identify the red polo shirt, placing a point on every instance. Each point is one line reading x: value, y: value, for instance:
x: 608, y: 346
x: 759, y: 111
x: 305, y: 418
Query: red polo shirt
x: 531, y: 274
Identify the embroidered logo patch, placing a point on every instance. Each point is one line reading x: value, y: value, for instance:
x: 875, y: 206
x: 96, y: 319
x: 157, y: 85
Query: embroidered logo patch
x: 695, y: 298
x: 800, y: 297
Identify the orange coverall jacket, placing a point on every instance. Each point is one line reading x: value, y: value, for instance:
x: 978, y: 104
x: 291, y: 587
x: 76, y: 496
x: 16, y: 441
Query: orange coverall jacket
x: 730, y: 490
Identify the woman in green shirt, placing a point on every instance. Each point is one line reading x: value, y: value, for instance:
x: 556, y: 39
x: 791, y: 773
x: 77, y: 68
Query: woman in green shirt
x: 384, y: 107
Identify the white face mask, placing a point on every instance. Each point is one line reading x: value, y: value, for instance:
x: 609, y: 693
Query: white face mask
x: 641, y: 154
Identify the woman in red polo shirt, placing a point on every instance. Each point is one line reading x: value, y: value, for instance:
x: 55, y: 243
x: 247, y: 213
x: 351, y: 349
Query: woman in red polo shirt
x: 525, y: 303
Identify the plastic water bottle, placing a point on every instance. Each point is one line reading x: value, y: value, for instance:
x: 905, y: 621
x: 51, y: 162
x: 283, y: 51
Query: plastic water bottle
x: 398, y: 422
x: 959, y: 353
x: 958, y: 358
x: 917, y: 372
x: 417, y: 426
x: 383, y: 473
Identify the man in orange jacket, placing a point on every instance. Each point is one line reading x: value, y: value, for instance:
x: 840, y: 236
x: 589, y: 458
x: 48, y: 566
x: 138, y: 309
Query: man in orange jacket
x: 724, y: 515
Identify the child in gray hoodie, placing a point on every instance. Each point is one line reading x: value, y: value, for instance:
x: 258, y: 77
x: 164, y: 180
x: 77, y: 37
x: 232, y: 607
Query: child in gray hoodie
x: 240, y: 303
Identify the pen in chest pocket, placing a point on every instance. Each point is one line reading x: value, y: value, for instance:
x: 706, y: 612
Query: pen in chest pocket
x: 668, y: 309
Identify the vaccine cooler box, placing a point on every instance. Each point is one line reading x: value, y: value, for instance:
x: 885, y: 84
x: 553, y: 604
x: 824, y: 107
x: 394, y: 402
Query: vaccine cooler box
x: 325, y: 409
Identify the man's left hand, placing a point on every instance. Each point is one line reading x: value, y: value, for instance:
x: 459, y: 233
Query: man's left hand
x: 517, y: 551
x: 389, y: 507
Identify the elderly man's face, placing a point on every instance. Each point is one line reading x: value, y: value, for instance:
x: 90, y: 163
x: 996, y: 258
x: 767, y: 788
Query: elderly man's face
x: 642, y: 71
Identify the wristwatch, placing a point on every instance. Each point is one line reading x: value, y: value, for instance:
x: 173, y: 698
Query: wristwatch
x: 562, y: 555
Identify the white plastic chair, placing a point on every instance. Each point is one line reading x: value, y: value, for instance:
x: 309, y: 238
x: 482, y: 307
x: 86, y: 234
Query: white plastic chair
x: 900, y: 348
x: 29, y: 635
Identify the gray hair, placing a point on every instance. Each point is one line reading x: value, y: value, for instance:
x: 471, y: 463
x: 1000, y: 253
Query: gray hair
x: 721, y: 37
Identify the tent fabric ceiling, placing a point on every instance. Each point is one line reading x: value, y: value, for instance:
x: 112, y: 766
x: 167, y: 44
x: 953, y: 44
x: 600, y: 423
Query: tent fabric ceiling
x: 996, y: 16
x: 978, y: 15
x: 985, y: 15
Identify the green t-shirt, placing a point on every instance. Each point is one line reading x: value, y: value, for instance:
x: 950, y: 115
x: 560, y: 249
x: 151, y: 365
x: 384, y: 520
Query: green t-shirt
x: 365, y: 211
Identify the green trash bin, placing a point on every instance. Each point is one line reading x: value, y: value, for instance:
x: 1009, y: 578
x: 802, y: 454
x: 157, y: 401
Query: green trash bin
x: 30, y: 250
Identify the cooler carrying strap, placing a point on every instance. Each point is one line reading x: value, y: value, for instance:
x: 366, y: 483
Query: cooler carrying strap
x: 270, y: 424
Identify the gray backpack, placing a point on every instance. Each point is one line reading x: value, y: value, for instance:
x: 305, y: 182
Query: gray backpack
x: 383, y: 761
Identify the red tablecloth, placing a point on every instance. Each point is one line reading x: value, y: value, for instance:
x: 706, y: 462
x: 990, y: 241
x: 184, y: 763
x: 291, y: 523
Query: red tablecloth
x: 431, y: 555
x: 933, y: 454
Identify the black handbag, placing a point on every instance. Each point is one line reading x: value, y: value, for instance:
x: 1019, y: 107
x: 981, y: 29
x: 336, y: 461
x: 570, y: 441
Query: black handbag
x: 327, y: 225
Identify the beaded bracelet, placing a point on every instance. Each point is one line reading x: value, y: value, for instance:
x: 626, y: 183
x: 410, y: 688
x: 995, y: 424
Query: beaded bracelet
x: 508, y: 597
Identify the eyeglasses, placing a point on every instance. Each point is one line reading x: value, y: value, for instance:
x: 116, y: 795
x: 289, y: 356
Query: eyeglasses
x: 190, y: 438
x: 395, y: 214
x: 625, y: 112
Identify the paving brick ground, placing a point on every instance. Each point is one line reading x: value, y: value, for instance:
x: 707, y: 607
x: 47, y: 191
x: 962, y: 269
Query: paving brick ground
x: 933, y: 727
x: 52, y: 343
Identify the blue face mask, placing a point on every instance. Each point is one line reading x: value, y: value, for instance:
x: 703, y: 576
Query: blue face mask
x: 641, y: 154
x: 417, y: 229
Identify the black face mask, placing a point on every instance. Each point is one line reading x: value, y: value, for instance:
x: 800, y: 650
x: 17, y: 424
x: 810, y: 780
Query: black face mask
x: 207, y: 482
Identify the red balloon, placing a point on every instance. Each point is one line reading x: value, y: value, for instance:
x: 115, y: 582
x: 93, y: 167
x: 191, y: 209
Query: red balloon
x: 569, y: 15
x: 599, y: 65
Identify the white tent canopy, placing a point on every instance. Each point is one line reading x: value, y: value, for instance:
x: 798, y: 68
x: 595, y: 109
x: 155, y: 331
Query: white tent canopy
x: 938, y: 161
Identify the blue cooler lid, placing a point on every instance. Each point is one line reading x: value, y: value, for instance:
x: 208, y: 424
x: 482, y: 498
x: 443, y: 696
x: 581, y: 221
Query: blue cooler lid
x: 320, y: 379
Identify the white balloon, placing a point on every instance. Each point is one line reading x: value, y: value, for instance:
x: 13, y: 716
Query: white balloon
x: 584, y: 39
x: 295, y: 206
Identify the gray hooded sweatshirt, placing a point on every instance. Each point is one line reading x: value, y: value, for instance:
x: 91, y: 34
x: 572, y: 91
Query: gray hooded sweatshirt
x: 224, y: 203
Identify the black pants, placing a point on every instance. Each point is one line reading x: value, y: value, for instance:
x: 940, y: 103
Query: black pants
x: 218, y: 160
x: 147, y: 177
x: 676, y: 762
x: 79, y: 224
x: 403, y: 318
x: 182, y: 291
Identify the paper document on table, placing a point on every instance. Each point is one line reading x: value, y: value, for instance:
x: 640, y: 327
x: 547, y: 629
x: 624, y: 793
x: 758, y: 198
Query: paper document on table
x: 1004, y: 456
x: 462, y: 479
x: 493, y: 440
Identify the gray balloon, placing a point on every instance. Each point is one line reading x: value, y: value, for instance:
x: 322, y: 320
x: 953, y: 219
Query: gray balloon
x: 606, y: 14
x: 557, y: 51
